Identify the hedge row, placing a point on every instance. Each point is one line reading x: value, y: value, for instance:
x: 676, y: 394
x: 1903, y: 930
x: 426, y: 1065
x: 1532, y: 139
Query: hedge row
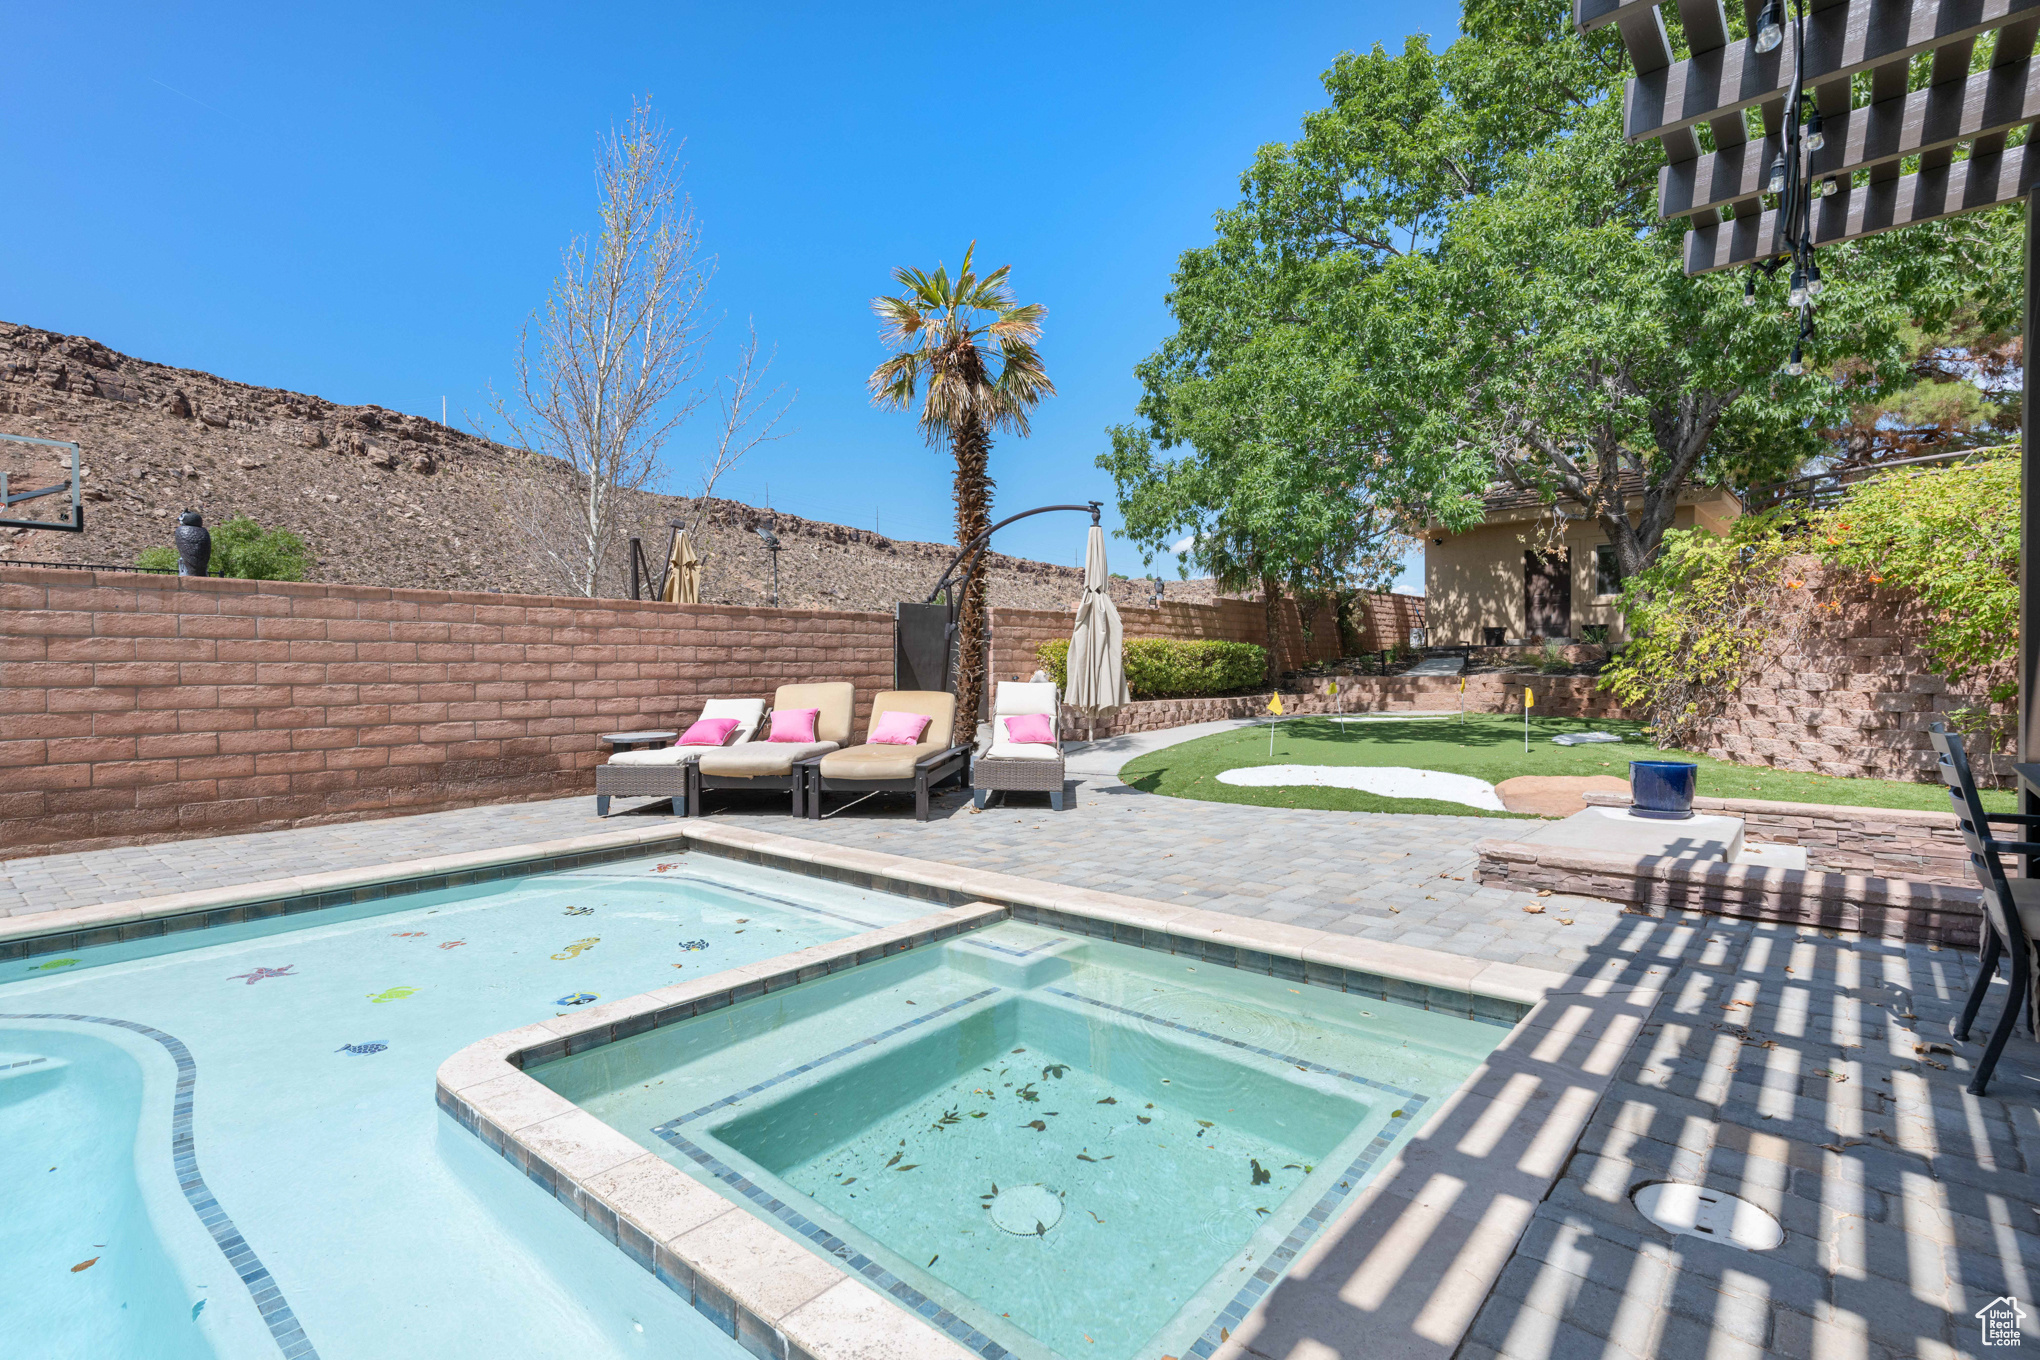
x: 1162, y: 668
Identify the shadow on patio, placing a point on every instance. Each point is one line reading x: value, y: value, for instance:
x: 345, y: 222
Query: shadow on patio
x: 1789, y: 1066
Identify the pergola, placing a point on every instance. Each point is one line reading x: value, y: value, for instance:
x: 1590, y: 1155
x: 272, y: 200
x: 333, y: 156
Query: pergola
x: 1838, y: 161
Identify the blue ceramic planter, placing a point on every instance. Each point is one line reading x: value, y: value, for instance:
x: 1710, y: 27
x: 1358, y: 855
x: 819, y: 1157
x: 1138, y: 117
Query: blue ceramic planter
x: 1662, y: 788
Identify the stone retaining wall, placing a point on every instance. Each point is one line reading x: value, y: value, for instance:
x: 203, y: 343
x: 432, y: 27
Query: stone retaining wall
x: 1844, y: 687
x: 1890, y: 908
x: 137, y: 707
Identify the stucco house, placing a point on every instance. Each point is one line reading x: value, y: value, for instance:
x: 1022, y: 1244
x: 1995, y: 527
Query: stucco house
x: 1531, y: 570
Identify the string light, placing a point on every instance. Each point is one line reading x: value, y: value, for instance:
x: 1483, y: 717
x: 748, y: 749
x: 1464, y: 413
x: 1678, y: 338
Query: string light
x: 1814, y: 138
x: 1770, y: 27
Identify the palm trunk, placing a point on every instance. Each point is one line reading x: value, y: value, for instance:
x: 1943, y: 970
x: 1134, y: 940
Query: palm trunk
x: 972, y: 444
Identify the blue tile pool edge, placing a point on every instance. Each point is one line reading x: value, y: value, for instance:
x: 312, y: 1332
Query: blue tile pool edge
x: 1229, y: 1314
x: 263, y: 1290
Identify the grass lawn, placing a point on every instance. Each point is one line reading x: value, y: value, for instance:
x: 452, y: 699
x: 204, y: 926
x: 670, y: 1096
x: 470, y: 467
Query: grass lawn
x: 1487, y: 747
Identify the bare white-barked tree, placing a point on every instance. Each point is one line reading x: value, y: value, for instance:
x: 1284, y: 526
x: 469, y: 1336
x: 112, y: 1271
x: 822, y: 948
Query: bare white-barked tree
x: 608, y: 371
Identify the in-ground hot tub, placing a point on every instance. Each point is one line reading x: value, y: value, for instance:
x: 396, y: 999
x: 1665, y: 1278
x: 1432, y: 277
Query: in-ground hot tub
x: 1043, y: 1143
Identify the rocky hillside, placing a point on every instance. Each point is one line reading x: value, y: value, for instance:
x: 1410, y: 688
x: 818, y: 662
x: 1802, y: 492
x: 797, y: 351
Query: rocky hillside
x: 389, y: 499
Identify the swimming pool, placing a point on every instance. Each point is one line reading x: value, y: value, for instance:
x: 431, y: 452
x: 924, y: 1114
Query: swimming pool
x: 1045, y: 1144
x: 222, y: 1144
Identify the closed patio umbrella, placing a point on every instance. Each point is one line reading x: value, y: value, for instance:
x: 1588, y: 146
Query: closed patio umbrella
x: 1097, y: 687
x: 683, y: 573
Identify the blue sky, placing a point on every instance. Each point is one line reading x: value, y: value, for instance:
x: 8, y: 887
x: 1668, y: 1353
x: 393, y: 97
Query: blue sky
x: 365, y: 201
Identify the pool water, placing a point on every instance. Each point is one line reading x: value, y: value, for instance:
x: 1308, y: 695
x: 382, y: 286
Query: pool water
x: 1054, y: 1144
x: 320, y: 1203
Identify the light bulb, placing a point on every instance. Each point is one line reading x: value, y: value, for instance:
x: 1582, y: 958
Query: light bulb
x: 1830, y: 187
x: 1776, y: 184
x: 1814, y: 138
x: 1797, y: 297
x: 1813, y: 281
x: 1770, y: 27
x: 1793, y: 366
x: 1749, y: 288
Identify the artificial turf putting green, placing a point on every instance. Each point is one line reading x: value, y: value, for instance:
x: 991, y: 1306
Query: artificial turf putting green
x: 1488, y: 747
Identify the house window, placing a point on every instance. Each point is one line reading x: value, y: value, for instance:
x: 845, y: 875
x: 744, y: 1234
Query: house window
x: 1607, y: 572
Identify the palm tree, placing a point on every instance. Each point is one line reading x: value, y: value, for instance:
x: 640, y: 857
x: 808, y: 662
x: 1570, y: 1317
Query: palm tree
x: 972, y: 348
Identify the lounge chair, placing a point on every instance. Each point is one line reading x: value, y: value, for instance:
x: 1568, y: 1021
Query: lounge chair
x: 1007, y: 766
x: 881, y: 768
x: 776, y: 765
x: 662, y: 773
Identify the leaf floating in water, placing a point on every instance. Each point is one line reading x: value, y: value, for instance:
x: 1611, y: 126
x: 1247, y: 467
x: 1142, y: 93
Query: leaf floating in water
x: 1144, y: 1119
x: 851, y: 1181
x: 910, y: 1166
x: 1040, y: 1228
x: 977, y: 1114
x: 196, y: 1309
x: 1260, y: 1211
x: 1261, y: 1174
x: 1109, y: 1100
x: 933, y: 1259
x: 948, y: 1117
x: 1095, y: 1219
x: 1082, y: 1158
x: 1224, y: 1333
x: 1039, y: 1126
x: 1395, y: 1114
x: 1055, y: 1070
x: 895, y: 1157
x: 1204, y: 1123
x: 1292, y: 1166
x: 1028, y: 1092
x: 1149, y: 1106
x: 83, y: 1264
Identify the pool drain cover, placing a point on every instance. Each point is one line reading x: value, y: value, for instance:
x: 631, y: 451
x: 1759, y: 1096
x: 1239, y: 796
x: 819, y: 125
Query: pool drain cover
x: 1697, y: 1211
x: 1026, y: 1210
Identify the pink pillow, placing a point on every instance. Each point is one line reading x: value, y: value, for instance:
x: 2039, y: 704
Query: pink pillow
x: 1030, y: 729
x: 794, y: 724
x: 898, y: 728
x: 709, y: 732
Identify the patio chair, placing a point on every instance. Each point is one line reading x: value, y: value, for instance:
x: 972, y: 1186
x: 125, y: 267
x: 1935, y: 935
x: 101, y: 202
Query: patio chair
x: 2011, y: 906
x: 776, y: 765
x: 662, y: 773
x: 1008, y: 766
x: 880, y: 768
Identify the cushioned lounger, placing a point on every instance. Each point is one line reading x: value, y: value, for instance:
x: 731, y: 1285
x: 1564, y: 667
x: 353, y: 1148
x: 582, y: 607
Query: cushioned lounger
x: 662, y: 773
x: 776, y: 765
x: 882, y: 768
x: 1008, y: 766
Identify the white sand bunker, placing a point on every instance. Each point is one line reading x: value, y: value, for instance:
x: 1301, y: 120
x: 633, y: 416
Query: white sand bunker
x: 1386, y: 781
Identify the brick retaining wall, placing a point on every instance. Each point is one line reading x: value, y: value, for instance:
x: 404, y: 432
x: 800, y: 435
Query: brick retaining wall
x: 1890, y: 908
x: 138, y: 708
x: 1557, y: 697
x: 1844, y: 687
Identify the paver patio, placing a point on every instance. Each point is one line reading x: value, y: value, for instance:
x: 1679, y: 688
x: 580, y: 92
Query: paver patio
x: 1786, y: 1065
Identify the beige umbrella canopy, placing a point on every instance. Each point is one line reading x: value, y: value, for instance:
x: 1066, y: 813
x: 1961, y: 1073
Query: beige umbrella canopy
x: 1097, y: 687
x: 683, y: 573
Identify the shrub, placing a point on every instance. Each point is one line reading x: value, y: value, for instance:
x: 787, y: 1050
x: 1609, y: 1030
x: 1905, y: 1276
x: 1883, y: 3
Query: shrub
x: 1698, y: 620
x: 244, y: 549
x: 1594, y: 634
x: 1162, y: 668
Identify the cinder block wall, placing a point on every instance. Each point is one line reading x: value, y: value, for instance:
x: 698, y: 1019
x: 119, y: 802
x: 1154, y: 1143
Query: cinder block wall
x: 138, y: 707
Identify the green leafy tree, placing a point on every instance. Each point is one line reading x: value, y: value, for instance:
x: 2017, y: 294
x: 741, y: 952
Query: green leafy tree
x: 966, y: 350
x: 244, y: 549
x: 1457, y: 277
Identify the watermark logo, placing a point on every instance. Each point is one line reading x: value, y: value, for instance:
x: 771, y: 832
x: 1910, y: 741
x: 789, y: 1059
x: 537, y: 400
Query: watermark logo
x: 2000, y: 1319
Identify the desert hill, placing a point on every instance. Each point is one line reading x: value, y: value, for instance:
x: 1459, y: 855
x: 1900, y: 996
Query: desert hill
x: 383, y: 498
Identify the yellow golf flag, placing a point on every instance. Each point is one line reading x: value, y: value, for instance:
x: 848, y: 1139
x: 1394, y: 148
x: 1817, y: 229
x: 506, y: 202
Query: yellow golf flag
x: 1332, y: 688
x: 1462, y: 684
x: 1529, y: 697
x: 1275, y: 704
